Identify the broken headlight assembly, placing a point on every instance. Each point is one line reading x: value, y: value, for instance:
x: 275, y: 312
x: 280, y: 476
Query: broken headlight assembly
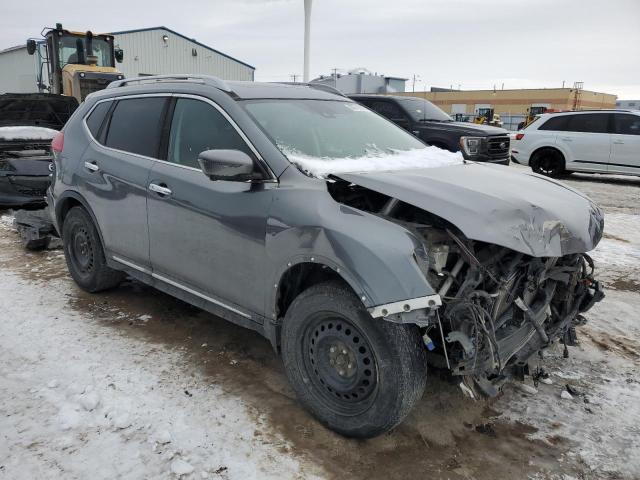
x: 470, y: 146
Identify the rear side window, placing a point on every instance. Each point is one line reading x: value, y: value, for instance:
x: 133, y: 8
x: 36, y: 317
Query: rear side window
x: 558, y: 124
x: 196, y: 127
x: 588, y: 122
x: 389, y: 110
x: 135, y: 126
x: 627, y: 124
x: 96, y: 118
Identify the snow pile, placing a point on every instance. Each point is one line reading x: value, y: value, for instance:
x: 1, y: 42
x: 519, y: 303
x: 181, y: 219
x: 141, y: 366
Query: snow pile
x: 27, y: 133
x: 428, y: 157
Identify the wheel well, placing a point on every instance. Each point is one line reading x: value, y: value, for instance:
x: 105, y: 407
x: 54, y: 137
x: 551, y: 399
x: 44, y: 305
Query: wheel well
x: 300, y: 277
x: 541, y: 149
x: 67, y: 204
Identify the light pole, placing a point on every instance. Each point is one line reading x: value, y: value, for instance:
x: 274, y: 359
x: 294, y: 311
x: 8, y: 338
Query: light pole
x: 307, y: 33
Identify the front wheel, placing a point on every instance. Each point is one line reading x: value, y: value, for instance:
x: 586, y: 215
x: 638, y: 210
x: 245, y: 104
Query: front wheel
x: 358, y: 375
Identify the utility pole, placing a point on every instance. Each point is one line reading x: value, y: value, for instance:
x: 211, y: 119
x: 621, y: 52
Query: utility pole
x: 415, y: 78
x: 294, y: 77
x: 335, y: 78
x: 307, y: 34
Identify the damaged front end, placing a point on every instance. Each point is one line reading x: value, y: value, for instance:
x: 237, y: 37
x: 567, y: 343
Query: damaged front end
x: 496, y: 306
x: 501, y: 306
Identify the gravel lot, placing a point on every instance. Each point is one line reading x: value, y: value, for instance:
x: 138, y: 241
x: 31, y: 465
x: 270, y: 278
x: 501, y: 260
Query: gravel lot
x: 135, y: 384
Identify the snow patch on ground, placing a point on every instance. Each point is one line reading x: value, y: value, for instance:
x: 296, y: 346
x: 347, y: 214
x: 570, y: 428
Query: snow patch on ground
x: 428, y: 157
x: 27, y: 133
x: 77, y: 402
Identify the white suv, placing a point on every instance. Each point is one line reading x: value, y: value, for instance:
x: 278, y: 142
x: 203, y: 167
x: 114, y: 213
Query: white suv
x: 598, y: 141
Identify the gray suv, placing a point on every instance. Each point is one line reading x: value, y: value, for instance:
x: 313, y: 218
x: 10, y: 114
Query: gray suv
x: 359, y: 252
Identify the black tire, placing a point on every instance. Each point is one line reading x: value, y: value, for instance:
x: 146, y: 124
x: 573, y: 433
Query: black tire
x: 84, y: 253
x: 548, y: 162
x: 357, y: 375
x: 36, y: 245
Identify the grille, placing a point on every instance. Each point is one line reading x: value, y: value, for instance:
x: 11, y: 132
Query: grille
x: 498, y: 146
x: 90, y: 85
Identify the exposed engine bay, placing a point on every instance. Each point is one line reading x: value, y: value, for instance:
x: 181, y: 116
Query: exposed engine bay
x: 499, y: 306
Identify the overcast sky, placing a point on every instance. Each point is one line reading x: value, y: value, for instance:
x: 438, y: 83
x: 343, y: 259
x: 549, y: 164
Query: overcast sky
x: 471, y: 43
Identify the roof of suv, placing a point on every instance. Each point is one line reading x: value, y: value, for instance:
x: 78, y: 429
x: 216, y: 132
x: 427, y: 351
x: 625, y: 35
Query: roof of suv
x: 238, y: 89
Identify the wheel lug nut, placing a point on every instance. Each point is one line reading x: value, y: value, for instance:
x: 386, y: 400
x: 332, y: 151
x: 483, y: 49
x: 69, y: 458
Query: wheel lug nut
x: 350, y: 365
x: 341, y: 373
x: 344, y: 352
x: 332, y: 349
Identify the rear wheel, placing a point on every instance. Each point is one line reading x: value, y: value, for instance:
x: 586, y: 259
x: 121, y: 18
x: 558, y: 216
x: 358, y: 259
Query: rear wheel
x: 549, y: 162
x: 84, y: 253
x: 358, y: 375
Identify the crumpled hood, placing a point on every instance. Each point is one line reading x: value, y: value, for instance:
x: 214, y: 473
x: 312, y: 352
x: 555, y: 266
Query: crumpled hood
x: 519, y: 210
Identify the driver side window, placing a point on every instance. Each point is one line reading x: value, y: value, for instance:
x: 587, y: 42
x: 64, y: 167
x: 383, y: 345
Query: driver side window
x: 197, y: 126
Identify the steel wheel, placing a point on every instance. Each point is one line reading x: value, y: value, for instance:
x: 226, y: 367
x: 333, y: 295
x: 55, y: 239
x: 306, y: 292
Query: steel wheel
x: 341, y: 364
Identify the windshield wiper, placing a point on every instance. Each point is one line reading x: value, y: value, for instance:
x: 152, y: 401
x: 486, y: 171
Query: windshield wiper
x: 433, y: 120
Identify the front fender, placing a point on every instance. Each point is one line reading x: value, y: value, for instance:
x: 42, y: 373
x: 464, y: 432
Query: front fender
x: 373, y: 255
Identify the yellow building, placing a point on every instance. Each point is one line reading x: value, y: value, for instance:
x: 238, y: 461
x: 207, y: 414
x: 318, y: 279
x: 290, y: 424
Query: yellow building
x: 515, y: 103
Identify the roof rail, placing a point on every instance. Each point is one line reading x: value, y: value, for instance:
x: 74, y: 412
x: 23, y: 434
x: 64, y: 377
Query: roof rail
x: 204, y: 79
x: 316, y: 86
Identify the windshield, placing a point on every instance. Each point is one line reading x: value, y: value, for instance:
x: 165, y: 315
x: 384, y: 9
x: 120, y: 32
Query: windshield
x: 330, y: 136
x: 421, y: 109
x: 68, y: 50
x: 328, y: 129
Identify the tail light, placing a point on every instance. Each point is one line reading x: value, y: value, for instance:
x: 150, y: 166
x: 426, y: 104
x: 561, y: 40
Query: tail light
x: 519, y: 136
x: 57, y: 144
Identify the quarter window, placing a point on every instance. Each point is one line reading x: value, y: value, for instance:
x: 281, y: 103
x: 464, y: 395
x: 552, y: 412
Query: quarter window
x: 135, y: 126
x: 558, y: 124
x: 96, y: 119
x: 196, y: 127
x: 627, y: 124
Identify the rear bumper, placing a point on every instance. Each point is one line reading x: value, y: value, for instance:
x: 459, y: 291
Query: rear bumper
x: 23, y: 191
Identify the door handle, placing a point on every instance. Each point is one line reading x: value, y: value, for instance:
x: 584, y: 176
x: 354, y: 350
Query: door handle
x: 618, y: 142
x: 567, y: 139
x: 154, y: 187
x: 91, y: 166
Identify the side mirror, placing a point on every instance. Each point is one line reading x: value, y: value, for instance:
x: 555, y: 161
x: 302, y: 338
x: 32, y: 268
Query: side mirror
x: 119, y: 54
x: 31, y: 47
x: 229, y: 165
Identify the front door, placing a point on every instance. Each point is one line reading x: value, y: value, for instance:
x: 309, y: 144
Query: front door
x: 115, y: 170
x: 207, y: 236
x: 625, y: 144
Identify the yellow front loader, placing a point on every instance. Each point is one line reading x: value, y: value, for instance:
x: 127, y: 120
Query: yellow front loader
x: 75, y: 64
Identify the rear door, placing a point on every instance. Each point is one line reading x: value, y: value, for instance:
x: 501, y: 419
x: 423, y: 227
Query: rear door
x: 586, y: 141
x: 115, y: 169
x: 625, y: 144
x: 207, y: 236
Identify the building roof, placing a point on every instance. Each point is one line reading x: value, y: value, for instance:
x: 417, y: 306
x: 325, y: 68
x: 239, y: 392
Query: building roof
x: 11, y: 49
x: 124, y: 32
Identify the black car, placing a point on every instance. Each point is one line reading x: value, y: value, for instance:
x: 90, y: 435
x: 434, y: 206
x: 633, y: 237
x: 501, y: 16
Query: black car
x: 358, y: 251
x: 480, y: 143
x: 28, y: 122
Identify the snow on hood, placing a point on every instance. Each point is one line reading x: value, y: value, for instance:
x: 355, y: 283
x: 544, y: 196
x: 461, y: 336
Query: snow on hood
x: 27, y: 133
x: 428, y: 157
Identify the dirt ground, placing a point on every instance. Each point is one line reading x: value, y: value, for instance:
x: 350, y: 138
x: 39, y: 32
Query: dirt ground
x: 518, y: 435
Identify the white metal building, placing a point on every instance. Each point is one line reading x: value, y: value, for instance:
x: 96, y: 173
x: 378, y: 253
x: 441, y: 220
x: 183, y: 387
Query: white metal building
x: 160, y: 50
x: 147, y: 51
